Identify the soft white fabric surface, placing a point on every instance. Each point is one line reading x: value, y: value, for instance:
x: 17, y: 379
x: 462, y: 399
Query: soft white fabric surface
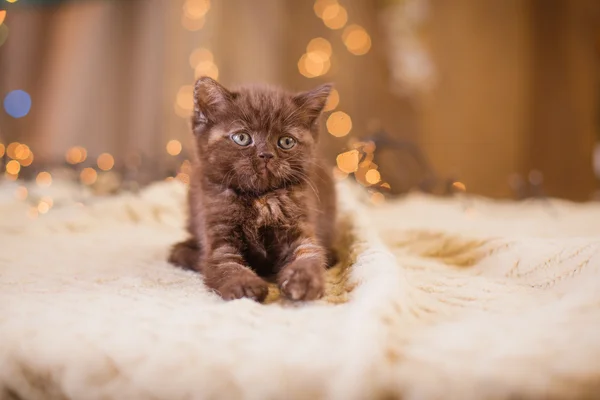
x: 433, y: 299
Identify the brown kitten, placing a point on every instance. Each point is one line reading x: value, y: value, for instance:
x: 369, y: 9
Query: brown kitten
x: 261, y: 202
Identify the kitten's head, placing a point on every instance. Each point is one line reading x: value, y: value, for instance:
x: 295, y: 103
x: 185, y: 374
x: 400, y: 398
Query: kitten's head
x: 256, y: 139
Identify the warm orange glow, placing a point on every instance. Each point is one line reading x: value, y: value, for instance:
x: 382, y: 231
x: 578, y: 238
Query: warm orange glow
x: 332, y: 101
x: 386, y: 185
x: 196, y: 9
x: 192, y: 24
x: 11, y: 1
x: 21, y: 152
x: 28, y: 161
x: 47, y: 200
x: 320, y: 46
x: 207, y: 68
x: 76, y: 155
x: 459, y: 186
x: 88, y: 176
x: 357, y: 40
x: 186, y: 167
x: 2, y: 150
x: 312, y: 65
x: 199, y: 55
x: 348, y: 162
x: 334, y: 16
x: 43, y: 208
x: 372, y: 176
x: 13, y: 167
x: 2, y: 16
x: 339, y: 124
x: 377, y: 198
x: 321, y: 5
x: 11, y: 149
x: 22, y: 193
x: 105, y: 162
x: 174, y: 147
x: 44, y: 179
x: 185, y: 178
x: 185, y: 99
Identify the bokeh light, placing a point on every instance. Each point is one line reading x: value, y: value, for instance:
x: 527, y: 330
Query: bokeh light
x: 22, y: 152
x: 196, y: 9
x: 459, y: 186
x: 44, y: 179
x: 17, y: 103
x: 183, y: 177
x: 320, y: 46
x: 334, y: 16
x: 339, y: 124
x: 206, y: 68
x: 11, y: 1
x: 43, y: 207
x: 3, y: 33
x: 313, y: 64
x: 88, y: 176
x: 332, y: 101
x: 321, y: 5
x: 13, y: 167
x: 348, y: 161
x: 21, y: 193
x: 174, y: 147
x: 377, y: 198
x: 200, y: 55
x: 357, y: 40
x: 192, y: 24
x: 76, y: 155
x: 372, y: 176
x: 2, y: 16
x: 105, y: 161
x: 185, y: 97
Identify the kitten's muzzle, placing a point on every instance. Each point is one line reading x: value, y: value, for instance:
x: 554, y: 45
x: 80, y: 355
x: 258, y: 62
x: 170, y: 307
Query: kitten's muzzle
x: 266, y: 155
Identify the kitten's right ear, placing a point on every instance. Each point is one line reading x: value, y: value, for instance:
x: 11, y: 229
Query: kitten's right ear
x: 210, y: 97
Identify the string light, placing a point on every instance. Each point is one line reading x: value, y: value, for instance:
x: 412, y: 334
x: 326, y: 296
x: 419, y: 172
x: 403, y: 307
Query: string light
x: 13, y: 167
x: 27, y: 161
x: 200, y: 55
x: 88, y: 176
x: 11, y: 149
x: 372, y: 176
x: 334, y: 16
x: 332, y: 101
x: 174, y: 147
x: 105, y: 162
x: 356, y: 39
x: 76, y: 155
x: 321, y: 5
x: 44, y: 179
x: 22, y: 152
x: 348, y: 161
x: 377, y: 198
x: 339, y: 124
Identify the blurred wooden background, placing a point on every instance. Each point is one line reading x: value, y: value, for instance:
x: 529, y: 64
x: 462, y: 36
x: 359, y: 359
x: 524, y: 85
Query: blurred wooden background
x: 514, y: 87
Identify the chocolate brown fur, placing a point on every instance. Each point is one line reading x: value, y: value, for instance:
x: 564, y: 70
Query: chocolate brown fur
x: 250, y: 217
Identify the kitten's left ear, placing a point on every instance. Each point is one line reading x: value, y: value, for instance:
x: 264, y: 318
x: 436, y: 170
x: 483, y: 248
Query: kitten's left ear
x: 313, y: 102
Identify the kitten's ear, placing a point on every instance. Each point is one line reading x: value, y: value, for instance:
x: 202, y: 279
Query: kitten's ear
x: 210, y: 97
x: 313, y: 102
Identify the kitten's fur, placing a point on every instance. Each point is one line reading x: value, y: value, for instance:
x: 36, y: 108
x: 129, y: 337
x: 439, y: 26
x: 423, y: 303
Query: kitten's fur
x: 251, y: 215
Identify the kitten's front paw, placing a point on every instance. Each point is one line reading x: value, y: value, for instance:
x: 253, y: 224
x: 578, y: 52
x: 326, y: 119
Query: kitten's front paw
x: 303, y: 279
x: 244, y: 285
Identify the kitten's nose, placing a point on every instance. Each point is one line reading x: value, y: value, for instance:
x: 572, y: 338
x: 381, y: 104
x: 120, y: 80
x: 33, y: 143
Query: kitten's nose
x: 265, y: 155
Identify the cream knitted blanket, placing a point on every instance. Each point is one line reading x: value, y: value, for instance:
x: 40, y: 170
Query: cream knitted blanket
x: 431, y: 300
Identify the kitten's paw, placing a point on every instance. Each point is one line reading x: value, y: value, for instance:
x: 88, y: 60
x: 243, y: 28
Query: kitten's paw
x: 185, y: 254
x: 244, y: 285
x: 303, y: 279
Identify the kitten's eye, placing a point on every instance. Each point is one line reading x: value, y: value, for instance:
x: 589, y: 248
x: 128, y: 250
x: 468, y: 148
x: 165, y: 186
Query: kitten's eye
x: 286, y: 142
x: 241, y: 138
